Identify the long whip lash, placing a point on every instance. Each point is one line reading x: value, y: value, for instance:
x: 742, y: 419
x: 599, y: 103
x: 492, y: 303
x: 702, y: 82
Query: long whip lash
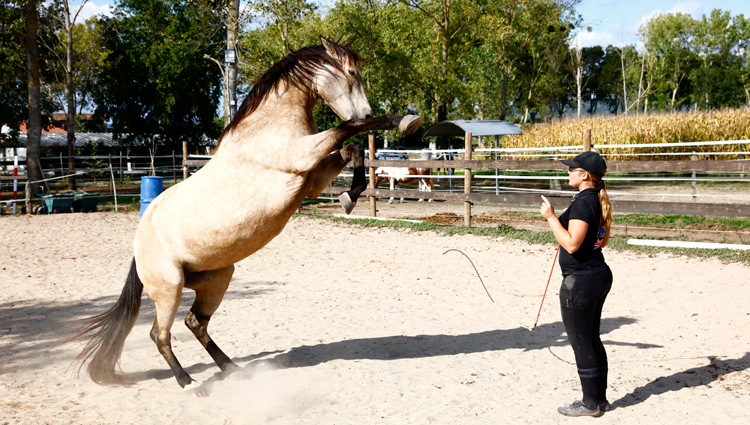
x: 485, y: 289
x: 493, y: 301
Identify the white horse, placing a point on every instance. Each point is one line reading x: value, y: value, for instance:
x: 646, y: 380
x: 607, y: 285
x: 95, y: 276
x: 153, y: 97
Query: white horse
x: 396, y: 175
x: 270, y: 158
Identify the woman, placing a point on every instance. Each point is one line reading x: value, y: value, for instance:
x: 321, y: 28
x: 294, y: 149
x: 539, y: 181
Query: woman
x: 582, y: 231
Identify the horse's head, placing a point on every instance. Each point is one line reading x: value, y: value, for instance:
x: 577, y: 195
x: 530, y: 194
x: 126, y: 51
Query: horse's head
x: 339, y: 83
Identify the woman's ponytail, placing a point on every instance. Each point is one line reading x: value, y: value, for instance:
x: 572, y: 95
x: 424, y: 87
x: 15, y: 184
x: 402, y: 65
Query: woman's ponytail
x: 604, y: 202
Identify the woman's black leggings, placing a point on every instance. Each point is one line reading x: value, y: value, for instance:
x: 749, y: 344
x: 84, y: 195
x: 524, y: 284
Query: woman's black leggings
x: 581, y: 301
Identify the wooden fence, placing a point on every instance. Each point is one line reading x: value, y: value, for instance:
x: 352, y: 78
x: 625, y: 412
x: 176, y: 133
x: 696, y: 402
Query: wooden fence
x: 530, y: 199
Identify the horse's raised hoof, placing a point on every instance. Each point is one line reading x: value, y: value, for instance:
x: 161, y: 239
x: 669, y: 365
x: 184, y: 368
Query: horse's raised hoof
x: 194, y: 389
x: 410, y: 123
x: 346, y: 202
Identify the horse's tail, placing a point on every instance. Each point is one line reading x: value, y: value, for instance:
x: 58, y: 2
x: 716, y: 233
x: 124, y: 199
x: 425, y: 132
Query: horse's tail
x: 106, y: 333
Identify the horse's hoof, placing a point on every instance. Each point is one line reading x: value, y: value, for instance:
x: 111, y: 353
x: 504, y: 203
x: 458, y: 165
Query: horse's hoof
x: 346, y: 202
x: 231, y: 368
x: 410, y: 123
x: 194, y: 389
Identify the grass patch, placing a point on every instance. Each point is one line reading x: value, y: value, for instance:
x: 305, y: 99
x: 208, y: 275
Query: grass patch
x: 618, y: 243
x: 739, y: 223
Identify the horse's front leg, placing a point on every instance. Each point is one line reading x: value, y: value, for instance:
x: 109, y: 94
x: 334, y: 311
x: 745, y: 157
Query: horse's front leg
x: 310, y: 149
x: 330, y: 167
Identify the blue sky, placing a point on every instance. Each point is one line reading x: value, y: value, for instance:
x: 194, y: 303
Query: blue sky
x: 617, y: 21
x: 613, y: 21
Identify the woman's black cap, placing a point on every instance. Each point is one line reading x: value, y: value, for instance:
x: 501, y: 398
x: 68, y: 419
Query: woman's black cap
x: 589, y: 161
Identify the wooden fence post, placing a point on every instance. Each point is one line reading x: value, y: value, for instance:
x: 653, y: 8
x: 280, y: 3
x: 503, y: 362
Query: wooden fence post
x: 497, y: 179
x: 467, y: 180
x: 742, y: 156
x: 184, y: 158
x: 371, y: 184
x: 62, y: 169
x: 174, y: 169
x: 112, y: 180
x: 693, y: 157
x: 587, y: 140
x: 27, y: 202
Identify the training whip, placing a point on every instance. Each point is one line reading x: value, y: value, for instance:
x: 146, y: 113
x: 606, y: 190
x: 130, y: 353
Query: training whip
x: 545, y: 289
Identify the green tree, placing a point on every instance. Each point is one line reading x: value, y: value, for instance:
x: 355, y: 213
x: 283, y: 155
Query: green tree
x: 65, y: 15
x: 743, y: 28
x: 34, y: 126
x: 717, y: 44
x: 13, y: 87
x: 669, y: 37
x: 593, y: 93
x: 610, y: 81
x: 518, y: 37
x: 155, y: 84
x: 558, y: 81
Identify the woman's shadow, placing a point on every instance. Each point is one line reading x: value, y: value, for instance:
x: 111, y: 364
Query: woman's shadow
x: 694, y: 377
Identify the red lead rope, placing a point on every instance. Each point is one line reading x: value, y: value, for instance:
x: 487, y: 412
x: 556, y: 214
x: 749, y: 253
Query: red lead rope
x: 545, y: 289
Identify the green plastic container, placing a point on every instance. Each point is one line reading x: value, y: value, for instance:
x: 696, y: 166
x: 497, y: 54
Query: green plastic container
x: 85, y: 201
x: 58, y: 202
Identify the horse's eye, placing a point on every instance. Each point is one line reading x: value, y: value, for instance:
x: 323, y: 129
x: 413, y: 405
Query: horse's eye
x: 352, y: 73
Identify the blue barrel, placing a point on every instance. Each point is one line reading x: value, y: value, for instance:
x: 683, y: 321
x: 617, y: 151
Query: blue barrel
x: 151, y: 187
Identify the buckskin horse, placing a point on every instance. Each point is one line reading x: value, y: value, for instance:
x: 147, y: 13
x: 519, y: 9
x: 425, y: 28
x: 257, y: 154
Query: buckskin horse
x: 274, y: 150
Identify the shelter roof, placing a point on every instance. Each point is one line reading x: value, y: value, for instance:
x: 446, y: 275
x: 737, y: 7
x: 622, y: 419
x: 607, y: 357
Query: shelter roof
x: 83, y: 139
x: 475, y: 127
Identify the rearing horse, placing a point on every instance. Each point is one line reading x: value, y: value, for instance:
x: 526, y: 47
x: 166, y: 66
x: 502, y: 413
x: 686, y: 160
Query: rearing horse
x: 270, y: 158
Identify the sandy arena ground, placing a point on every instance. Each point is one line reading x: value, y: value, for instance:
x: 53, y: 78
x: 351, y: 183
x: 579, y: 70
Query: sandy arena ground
x: 335, y: 324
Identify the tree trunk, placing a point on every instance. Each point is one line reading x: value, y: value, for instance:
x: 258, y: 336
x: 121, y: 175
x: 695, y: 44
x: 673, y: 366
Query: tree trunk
x: 230, y: 96
x: 640, y: 86
x: 70, y: 93
x: 624, y: 86
x: 34, y: 129
x: 504, y: 94
x: 445, y: 52
x: 579, y: 84
x: 442, y: 112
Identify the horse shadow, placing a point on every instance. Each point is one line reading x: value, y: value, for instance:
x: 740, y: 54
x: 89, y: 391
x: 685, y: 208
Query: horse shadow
x: 36, y: 327
x: 690, y: 378
x: 420, y: 346
x: 397, y: 347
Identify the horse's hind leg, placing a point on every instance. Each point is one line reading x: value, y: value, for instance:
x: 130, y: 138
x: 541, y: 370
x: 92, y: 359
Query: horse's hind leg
x: 167, y: 296
x: 209, y: 290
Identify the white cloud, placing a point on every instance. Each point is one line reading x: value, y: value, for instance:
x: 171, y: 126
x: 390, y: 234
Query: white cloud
x: 593, y: 38
x: 690, y: 7
x: 90, y: 9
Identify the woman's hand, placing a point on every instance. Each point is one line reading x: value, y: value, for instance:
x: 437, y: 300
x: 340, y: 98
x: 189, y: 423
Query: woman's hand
x: 547, y: 210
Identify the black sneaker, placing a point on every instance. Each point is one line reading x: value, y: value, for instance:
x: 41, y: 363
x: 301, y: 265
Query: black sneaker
x: 579, y: 409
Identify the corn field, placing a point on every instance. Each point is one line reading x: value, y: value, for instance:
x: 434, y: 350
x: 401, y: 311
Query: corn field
x: 704, y: 126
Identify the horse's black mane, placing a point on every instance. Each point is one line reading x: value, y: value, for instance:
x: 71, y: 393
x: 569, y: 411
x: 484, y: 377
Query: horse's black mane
x: 297, y: 69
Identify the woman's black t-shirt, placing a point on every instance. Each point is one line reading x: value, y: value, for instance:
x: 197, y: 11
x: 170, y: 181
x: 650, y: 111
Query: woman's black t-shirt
x: 588, y: 258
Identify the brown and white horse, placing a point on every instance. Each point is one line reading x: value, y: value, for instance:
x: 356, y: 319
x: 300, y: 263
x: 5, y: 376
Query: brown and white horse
x: 270, y: 158
x: 396, y: 175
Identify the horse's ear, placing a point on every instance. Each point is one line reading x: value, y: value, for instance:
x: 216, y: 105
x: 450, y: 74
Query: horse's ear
x: 329, y: 46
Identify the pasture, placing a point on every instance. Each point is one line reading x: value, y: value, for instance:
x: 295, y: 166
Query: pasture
x: 335, y: 323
